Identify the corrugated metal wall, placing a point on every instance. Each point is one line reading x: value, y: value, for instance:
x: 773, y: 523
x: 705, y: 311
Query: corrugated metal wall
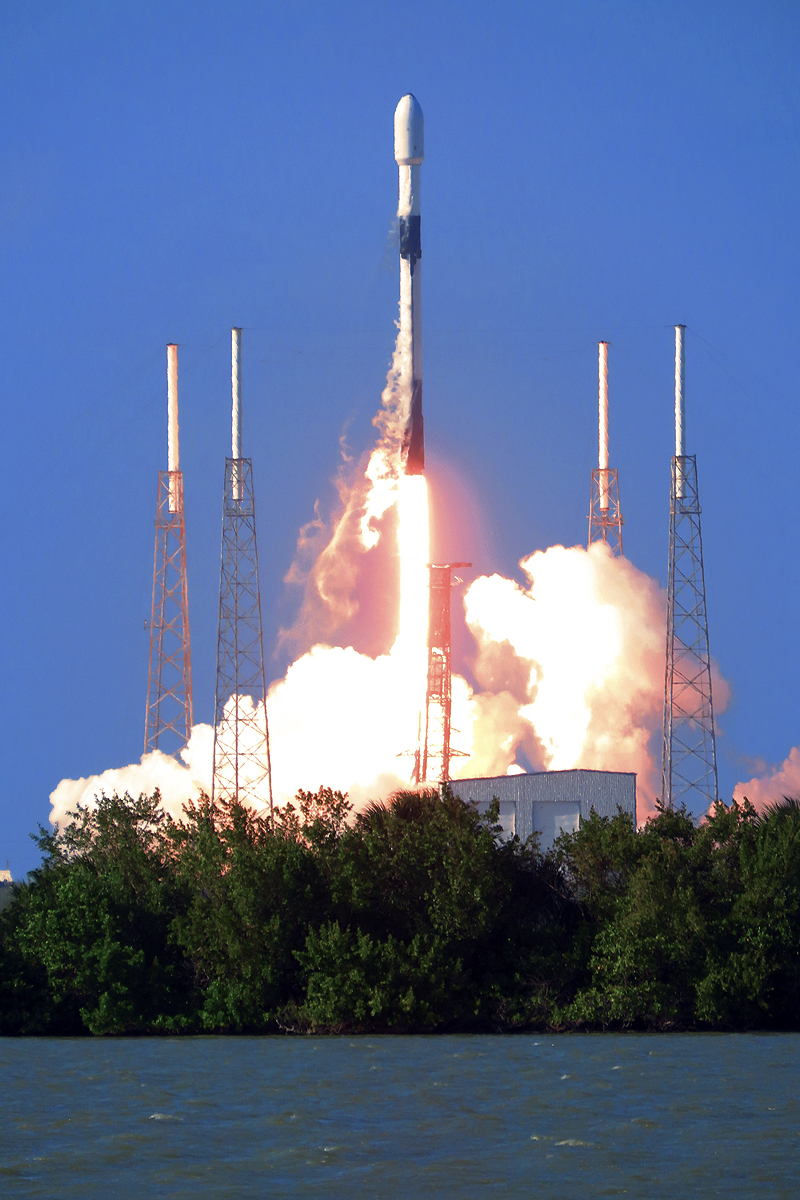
x: 572, y: 793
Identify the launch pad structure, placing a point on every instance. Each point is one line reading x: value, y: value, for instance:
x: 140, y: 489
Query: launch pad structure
x: 689, y: 756
x: 241, y: 756
x: 605, y: 514
x: 168, y: 717
x: 436, y: 749
x: 242, y: 766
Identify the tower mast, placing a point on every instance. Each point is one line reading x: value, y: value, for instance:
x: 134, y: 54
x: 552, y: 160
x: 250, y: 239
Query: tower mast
x: 242, y: 766
x: 168, y: 717
x: 689, y: 756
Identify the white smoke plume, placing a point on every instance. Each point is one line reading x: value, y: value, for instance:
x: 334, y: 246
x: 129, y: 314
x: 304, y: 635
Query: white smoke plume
x: 772, y: 785
x: 569, y: 670
x: 571, y: 666
x: 341, y: 719
x: 178, y: 783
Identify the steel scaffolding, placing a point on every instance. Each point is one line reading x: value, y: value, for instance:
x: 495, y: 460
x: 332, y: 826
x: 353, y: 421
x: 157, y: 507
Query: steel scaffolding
x: 168, y: 716
x: 689, y: 758
x: 605, y: 523
x: 168, y: 719
x: 242, y: 765
x: 437, y: 752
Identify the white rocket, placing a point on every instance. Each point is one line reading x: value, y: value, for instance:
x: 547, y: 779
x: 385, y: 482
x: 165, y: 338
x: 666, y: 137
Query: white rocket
x: 409, y: 152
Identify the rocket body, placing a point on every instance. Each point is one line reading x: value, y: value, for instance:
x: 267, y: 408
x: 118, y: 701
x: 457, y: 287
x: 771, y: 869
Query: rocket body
x: 409, y: 152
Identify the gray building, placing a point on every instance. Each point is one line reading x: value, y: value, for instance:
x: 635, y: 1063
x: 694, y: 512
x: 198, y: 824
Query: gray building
x: 551, y: 802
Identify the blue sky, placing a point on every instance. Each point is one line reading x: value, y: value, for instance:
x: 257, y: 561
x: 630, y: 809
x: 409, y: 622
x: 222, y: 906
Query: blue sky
x: 592, y: 171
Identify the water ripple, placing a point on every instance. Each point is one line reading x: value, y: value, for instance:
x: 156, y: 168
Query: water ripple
x: 688, y: 1115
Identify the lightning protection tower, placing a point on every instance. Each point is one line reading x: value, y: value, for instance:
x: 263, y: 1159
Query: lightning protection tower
x: 242, y: 765
x: 689, y: 759
x: 168, y: 718
x: 436, y: 751
x: 605, y: 514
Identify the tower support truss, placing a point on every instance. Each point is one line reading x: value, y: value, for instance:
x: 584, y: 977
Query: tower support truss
x: 605, y: 514
x: 168, y: 720
x: 436, y: 749
x: 689, y: 758
x: 242, y: 766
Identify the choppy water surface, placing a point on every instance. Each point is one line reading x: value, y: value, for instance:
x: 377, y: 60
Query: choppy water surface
x: 571, y: 1116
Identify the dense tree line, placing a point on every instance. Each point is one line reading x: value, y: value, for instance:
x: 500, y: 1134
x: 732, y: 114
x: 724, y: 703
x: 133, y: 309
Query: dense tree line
x: 411, y: 916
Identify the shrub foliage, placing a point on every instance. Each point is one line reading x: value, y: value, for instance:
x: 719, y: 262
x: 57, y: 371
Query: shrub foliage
x: 413, y: 915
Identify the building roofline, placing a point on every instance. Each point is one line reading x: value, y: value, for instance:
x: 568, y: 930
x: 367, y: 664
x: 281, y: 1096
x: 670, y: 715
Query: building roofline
x: 531, y: 774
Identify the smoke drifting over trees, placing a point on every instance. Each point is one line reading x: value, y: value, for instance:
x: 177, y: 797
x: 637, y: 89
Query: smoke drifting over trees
x: 770, y: 786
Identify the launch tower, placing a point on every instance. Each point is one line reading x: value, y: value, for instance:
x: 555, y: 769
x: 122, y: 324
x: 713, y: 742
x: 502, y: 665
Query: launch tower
x: 605, y: 515
x: 436, y: 751
x: 168, y: 717
x: 242, y: 765
x: 689, y: 759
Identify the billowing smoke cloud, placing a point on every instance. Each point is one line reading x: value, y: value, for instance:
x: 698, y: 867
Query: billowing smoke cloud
x: 178, y: 782
x: 570, y: 666
x: 569, y: 670
x: 341, y: 719
x: 772, y: 785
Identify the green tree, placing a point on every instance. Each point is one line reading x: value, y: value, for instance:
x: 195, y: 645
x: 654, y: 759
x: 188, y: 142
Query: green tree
x: 687, y: 925
x: 753, y: 965
x: 86, y: 942
x: 647, y: 950
x: 433, y: 924
x: 255, y: 889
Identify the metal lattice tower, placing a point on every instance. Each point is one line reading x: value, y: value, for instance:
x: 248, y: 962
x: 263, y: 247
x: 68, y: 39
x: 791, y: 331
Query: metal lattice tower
x: 605, y: 514
x: 436, y: 751
x: 689, y: 758
x: 242, y: 765
x: 168, y: 718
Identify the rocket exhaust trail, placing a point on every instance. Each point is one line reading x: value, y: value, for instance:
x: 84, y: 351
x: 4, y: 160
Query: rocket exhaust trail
x: 409, y: 152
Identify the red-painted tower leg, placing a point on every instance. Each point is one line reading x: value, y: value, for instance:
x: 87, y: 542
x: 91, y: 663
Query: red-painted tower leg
x: 436, y: 749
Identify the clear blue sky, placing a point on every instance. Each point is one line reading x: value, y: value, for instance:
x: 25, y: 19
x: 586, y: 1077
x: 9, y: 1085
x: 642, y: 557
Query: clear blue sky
x: 593, y: 170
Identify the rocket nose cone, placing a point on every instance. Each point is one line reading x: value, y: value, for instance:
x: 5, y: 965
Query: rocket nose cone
x: 409, y: 132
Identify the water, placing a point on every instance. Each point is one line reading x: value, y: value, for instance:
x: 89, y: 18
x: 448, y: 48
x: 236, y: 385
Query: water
x: 573, y: 1116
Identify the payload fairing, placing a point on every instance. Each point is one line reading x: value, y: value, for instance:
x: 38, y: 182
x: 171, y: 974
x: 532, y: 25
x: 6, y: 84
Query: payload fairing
x: 409, y: 152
